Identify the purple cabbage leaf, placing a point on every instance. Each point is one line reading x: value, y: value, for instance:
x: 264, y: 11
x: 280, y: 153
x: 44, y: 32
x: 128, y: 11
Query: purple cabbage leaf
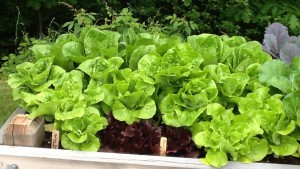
x: 278, y: 43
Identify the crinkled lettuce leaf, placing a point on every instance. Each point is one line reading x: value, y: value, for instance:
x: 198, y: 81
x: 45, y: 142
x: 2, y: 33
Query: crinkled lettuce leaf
x: 241, y: 144
x: 79, y: 133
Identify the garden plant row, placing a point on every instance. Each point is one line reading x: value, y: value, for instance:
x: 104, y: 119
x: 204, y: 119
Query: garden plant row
x: 216, y: 97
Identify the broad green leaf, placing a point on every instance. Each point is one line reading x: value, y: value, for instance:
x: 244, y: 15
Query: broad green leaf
x: 292, y: 106
x: 77, y: 138
x: 41, y: 51
x: 233, y: 41
x: 201, y: 139
x: 150, y: 63
x: 234, y: 84
x: 74, y: 51
x: 21, y: 77
x: 286, y: 128
x: 93, y: 93
x: 147, y: 111
x: 68, y: 144
x: 40, y: 71
x: 275, y: 73
x: 47, y: 108
x: 92, y: 144
x: 122, y: 113
x: 56, y: 51
x: 209, y: 46
x: 181, y: 55
x: 176, y: 115
x: 71, y: 114
x: 215, y: 109
x: 101, y: 69
x: 296, y: 134
x: 174, y: 76
x: 138, y: 53
x: 258, y: 149
x: 216, y: 158
x: 288, y: 146
x: 101, y: 43
x: 197, y: 93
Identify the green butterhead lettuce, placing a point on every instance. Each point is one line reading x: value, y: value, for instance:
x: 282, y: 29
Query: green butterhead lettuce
x: 183, y: 108
x: 241, y: 144
x: 100, y: 42
x: 79, y: 133
x: 238, y: 103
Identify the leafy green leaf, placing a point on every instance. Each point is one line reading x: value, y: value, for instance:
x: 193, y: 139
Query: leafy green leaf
x: 100, y: 43
x: 292, y: 106
x: 288, y: 146
x: 258, y: 150
x: 275, y: 73
x: 216, y: 158
x: 175, y: 115
x: 123, y: 113
x: 138, y: 53
x: 74, y: 51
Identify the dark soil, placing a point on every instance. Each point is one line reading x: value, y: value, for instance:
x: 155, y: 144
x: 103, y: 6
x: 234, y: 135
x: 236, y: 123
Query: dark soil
x: 281, y: 160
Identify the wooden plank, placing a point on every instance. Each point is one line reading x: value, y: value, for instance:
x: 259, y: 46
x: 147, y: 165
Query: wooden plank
x: 163, y: 146
x: 55, y: 139
x: 17, y: 111
x: 66, y: 159
x: 22, y: 131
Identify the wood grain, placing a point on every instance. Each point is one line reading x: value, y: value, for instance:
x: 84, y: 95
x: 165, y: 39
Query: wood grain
x: 22, y: 131
x: 31, y: 158
x: 17, y: 111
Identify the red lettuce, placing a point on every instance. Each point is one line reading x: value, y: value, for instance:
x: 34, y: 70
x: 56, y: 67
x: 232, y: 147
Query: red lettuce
x: 144, y: 138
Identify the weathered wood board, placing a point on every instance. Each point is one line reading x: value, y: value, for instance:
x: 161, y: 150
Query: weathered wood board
x: 22, y: 131
x: 31, y: 158
x: 18, y: 111
x: 40, y: 158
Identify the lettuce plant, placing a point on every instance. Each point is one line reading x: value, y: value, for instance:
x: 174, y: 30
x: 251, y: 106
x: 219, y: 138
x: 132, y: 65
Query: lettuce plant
x: 127, y: 94
x: 226, y: 133
x: 144, y: 137
x: 184, y: 107
x: 80, y: 133
x: 269, y: 111
x: 132, y: 100
x: 238, y: 103
x: 286, y: 79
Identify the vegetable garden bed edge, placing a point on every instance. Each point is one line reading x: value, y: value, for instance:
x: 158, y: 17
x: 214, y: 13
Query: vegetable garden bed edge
x: 24, y: 157
x: 53, y: 158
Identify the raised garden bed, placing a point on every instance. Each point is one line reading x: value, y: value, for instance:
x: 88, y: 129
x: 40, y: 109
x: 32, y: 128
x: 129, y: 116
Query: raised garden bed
x: 33, y: 157
x: 28, y: 158
x: 216, y: 98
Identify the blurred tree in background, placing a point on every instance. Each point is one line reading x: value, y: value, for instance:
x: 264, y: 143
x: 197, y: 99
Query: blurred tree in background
x: 247, y: 18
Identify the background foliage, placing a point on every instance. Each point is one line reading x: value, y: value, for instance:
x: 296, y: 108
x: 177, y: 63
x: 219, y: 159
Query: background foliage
x: 232, y: 17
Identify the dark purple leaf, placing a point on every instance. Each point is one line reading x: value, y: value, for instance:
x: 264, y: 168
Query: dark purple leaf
x: 289, y: 51
x: 276, y: 35
x: 295, y: 40
x: 180, y: 143
x: 144, y: 138
x: 137, y: 138
x: 270, y: 45
x: 280, y: 32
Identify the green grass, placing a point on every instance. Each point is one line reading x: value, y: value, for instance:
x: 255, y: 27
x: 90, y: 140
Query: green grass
x: 7, y: 105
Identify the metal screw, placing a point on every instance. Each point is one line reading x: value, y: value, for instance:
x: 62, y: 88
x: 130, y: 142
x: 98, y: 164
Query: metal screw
x: 14, y: 166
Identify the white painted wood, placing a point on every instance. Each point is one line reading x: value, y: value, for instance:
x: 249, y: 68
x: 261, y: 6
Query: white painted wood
x: 17, y: 111
x: 30, y: 158
x: 43, y: 158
